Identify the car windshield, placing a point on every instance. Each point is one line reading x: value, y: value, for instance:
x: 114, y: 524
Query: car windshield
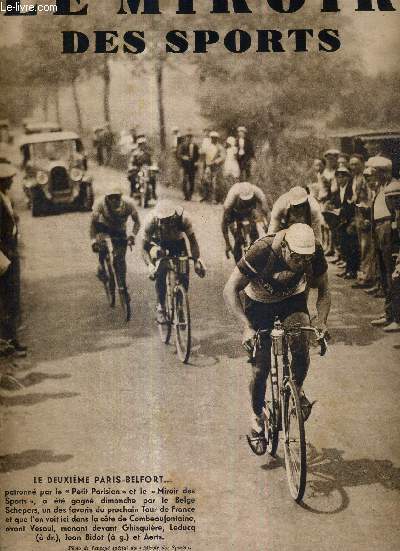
x: 54, y: 151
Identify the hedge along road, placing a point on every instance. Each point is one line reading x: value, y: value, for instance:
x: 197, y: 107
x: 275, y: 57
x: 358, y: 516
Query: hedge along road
x: 102, y: 397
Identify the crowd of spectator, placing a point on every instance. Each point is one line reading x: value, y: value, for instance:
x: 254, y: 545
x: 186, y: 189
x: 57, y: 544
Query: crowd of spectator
x: 360, y: 225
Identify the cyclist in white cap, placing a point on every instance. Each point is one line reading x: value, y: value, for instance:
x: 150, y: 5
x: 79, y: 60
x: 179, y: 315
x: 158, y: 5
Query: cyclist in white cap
x: 214, y: 158
x: 109, y: 217
x: 274, y: 275
x: 164, y: 233
x: 296, y: 206
x: 241, y: 203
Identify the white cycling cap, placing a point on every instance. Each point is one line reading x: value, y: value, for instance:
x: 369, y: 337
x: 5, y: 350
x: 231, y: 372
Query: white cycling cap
x: 114, y: 190
x: 300, y: 238
x: 214, y: 134
x: 380, y: 163
x: 246, y: 191
x: 242, y: 129
x: 297, y: 195
x: 142, y: 139
x: 7, y: 170
x: 166, y: 208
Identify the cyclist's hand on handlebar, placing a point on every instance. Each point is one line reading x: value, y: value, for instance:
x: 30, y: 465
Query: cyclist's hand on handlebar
x: 131, y: 240
x: 228, y: 251
x: 199, y: 268
x: 152, y: 271
x: 248, y: 339
x: 95, y: 246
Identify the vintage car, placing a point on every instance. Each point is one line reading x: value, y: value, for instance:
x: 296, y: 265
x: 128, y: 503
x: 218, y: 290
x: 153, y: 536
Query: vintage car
x: 55, y: 175
x: 36, y: 127
x: 371, y: 142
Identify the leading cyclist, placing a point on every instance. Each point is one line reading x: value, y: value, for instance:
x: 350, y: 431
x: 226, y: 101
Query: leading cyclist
x: 164, y: 233
x: 109, y: 218
x: 274, y: 274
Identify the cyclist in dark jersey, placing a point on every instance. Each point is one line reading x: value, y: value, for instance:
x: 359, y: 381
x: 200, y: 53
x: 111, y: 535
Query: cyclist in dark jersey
x: 165, y: 231
x: 274, y: 274
x: 241, y: 203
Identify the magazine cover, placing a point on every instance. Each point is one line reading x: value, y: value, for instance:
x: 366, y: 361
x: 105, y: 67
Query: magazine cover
x: 199, y: 275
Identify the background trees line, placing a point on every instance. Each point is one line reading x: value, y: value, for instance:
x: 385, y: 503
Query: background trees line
x: 272, y: 94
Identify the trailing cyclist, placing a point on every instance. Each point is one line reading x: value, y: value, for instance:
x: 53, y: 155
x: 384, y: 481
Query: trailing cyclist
x: 214, y: 158
x: 141, y: 155
x: 242, y: 203
x: 109, y: 218
x: 164, y: 233
x: 274, y: 274
x: 296, y: 206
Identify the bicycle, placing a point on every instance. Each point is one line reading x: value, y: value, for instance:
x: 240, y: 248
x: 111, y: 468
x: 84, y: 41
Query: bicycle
x: 177, y: 311
x: 282, y: 409
x: 110, y: 279
x: 242, y: 233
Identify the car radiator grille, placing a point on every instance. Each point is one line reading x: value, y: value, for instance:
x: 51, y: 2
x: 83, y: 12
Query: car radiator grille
x: 59, y: 179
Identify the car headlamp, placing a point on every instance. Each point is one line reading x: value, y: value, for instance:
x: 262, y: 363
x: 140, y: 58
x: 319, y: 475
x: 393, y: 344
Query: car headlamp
x: 42, y: 178
x: 76, y: 174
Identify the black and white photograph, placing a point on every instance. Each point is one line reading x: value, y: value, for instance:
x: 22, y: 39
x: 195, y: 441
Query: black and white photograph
x: 199, y: 275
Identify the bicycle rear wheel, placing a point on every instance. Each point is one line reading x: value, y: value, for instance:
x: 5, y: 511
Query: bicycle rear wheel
x: 295, y: 441
x: 271, y: 412
x: 182, y: 323
x: 109, y: 283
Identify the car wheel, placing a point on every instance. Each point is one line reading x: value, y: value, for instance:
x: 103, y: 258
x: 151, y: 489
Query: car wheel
x: 88, y: 198
x: 36, y: 207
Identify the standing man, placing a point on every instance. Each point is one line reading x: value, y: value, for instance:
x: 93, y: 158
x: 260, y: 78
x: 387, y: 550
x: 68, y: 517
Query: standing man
x: 188, y: 156
x: 356, y: 166
x: 215, y: 155
x: 245, y: 153
x: 383, y: 235
x: 10, y: 279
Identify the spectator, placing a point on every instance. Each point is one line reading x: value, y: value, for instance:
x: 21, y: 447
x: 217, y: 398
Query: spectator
x: 342, y: 199
x: 383, y: 236
x: 188, y: 156
x: 10, y: 280
x: 98, y: 145
x: 331, y: 157
x: 245, y: 153
x: 356, y: 165
x: 176, y: 140
x: 231, y: 165
x: 108, y: 144
x: 392, y: 198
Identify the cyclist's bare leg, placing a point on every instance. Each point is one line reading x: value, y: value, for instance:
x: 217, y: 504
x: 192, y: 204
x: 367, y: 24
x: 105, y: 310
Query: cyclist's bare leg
x: 260, y: 374
x: 119, y: 261
x: 299, y: 346
x: 160, y: 282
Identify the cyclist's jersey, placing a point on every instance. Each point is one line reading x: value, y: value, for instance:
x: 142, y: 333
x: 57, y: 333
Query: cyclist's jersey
x: 236, y: 208
x: 271, y: 280
x: 156, y: 232
x: 115, y: 220
x: 281, y: 215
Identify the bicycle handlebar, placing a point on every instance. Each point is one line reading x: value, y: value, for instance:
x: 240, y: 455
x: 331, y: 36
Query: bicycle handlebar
x: 320, y: 336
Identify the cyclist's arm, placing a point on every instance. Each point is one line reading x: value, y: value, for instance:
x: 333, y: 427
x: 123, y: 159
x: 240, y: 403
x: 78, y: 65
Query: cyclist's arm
x: 93, y: 222
x: 194, y: 246
x: 225, y: 226
x: 275, y: 223
x: 136, y: 222
x: 262, y: 202
x: 147, y: 243
x: 323, y: 299
x: 236, y: 283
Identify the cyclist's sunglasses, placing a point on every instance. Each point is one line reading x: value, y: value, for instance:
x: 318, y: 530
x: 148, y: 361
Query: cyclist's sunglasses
x: 297, y: 256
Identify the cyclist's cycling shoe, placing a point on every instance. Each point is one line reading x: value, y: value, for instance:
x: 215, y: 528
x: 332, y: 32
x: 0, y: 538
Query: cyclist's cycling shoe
x: 160, y: 315
x: 256, y: 437
x: 101, y: 274
x: 306, y: 406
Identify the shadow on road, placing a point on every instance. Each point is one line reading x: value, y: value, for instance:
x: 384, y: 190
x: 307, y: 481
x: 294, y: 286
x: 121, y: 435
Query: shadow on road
x: 33, y: 399
x: 28, y: 459
x: 36, y: 378
x: 330, y: 475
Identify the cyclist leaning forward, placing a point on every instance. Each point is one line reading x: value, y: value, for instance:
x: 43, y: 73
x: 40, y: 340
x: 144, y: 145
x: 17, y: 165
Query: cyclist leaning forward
x: 109, y: 218
x: 164, y: 233
x: 274, y: 274
x: 242, y: 203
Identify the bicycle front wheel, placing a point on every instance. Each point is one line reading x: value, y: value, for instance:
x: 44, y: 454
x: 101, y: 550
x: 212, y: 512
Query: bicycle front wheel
x: 109, y: 283
x: 271, y: 412
x: 165, y: 328
x: 295, y: 441
x: 182, y: 324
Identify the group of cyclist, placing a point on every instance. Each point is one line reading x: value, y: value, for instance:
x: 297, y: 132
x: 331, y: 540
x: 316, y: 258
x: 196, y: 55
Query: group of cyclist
x: 270, y: 279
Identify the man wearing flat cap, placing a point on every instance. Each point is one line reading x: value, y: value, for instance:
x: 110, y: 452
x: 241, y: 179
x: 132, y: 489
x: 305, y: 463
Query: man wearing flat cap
x: 10, y: 279
x: 245, y: 153
x: 383, y: 235
x: 188, y: 156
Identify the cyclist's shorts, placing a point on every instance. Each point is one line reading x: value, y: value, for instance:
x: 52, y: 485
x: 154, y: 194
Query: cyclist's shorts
x: 174, y: 248
x: 114, y: 234
x: 262, y: 315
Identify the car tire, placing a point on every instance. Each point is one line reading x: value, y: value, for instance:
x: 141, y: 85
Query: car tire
x: 87, y: 199
x: 36, y: 207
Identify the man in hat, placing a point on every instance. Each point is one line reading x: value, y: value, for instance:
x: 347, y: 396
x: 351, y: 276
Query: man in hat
x: 392, y: 197
x: 342, y: 200
x: 10, y: 279
x: 383, y: 235
x: 164, y: 233
x: 295, y: 206
x: 245, y: 152
x: 188, y: 156
x: 109, y: 218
